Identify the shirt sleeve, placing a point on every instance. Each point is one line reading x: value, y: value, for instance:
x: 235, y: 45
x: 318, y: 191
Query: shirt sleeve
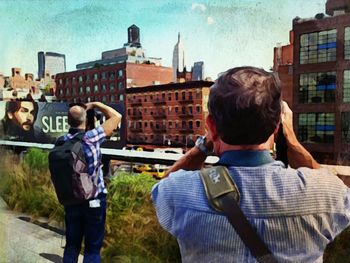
x: 96, y: 135
x: 163, y: 196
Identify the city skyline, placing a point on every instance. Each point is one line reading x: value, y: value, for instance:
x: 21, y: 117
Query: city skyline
x: 223, y: 34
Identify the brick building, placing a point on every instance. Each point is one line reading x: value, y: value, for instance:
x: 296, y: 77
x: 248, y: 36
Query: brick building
x: 283, y: 65
x: 321, y: 83
x: 107, y: 79
x: 171, y: 115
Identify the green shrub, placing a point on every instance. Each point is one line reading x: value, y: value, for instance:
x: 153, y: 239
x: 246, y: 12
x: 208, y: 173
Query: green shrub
x: 133, y: 233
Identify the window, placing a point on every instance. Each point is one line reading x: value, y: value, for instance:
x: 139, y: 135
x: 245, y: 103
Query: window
x: 103, y: 75
x: 318, y: 47
x: 112, y: 98
x: 73, y: 80
x: 170, y: 124
x: 345, y: 127
x: 87, y: 77
x: 198, y: 94
x: 169, y: 95
x: 183, y: 95
x: 198, y: 124
x: 120, y: 73
x: 60, y: 81
x: 346, y: 86
x: 67, y: 91
x: 111, y: 87
x: 347, y: 43
x: 61, y: 92
x: 111, y: 75
x: 121, y: 97
x: 74, y: 91
x: 95, y: 77
x: 80, y: 79
x: 104, y: 99
x: 104, y: 88
x: 96, y: 88
x: 317, y: 87
x: 120, y: 86
x: 316, y: 127
x: 198, y: 109
x: 176, y: 96
x: 81, y: 90
x: 88, y: 90
x: 176, y: 110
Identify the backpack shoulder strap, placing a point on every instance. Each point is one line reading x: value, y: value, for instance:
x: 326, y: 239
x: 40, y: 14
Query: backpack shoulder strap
x: 223, y: 196
x: 218, y: 182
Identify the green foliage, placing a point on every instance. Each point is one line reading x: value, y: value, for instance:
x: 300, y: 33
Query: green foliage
x: 26, y: 186
x: 132, y: 230
x: 133, y: 233
x: 339, y: 250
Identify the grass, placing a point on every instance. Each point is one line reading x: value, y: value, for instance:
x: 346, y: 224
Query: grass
x: 132, y: 230
x: 133, y: 234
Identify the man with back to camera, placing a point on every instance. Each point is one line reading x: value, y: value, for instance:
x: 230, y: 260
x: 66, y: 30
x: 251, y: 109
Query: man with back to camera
x: 296, y: 211
x: 87, y: 220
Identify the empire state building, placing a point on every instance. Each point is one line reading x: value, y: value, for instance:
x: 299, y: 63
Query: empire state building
x: 178, y: 58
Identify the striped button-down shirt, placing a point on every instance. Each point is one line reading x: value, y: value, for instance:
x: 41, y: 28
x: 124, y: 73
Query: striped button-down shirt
x: 296, y: 212
x: 92, y: 141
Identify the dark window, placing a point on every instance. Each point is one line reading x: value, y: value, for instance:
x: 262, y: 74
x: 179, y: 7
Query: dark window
x: 316, y: 127
x: 345, y: 127
x: 347, y: 43
x: 318, y: 47
x: 317, y: 87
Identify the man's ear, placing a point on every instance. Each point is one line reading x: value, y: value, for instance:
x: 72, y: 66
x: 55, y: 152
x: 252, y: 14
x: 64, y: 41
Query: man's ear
x: 10, y: 115
x: 211, y: 127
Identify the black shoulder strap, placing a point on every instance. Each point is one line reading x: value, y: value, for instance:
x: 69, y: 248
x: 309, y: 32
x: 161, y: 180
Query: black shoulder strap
x: 223, y: 195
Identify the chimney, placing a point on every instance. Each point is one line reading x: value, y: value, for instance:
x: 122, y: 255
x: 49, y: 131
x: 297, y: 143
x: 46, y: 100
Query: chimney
x: 16, y: 72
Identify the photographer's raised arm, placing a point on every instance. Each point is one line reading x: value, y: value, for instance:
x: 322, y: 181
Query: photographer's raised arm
x: 113, y: 117
x: 298, y: 156
x: 192, y: 160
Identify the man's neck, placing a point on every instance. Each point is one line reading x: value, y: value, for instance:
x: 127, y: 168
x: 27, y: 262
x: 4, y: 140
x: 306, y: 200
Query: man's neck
x: 224, y: 147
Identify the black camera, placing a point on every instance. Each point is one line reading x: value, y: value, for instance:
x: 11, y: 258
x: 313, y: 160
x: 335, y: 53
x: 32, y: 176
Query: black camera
x: 281, y: 146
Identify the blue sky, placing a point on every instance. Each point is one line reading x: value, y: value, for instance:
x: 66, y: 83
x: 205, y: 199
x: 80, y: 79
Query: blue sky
x: 223, y: 34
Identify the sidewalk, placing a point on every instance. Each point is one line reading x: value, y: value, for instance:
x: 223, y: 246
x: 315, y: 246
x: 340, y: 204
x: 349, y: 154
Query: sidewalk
x: 25, y: 242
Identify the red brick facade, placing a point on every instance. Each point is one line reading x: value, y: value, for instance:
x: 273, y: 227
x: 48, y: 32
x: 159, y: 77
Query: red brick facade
x: 171, y: 115
x: 139, y: 75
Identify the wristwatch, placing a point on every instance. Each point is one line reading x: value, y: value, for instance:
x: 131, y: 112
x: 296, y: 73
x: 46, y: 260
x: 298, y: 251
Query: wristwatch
x: 200, y: 144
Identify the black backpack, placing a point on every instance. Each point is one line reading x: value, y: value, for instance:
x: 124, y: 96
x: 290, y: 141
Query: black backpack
x: 68, y: 168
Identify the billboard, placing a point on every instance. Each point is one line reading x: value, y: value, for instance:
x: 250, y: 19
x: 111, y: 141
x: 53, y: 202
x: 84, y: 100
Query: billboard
x: 44, y: 122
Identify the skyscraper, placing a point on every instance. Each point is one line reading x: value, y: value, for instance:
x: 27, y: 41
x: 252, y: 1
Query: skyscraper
x: 198, y: 70
x: 178, y: 58
x: 50, y: 62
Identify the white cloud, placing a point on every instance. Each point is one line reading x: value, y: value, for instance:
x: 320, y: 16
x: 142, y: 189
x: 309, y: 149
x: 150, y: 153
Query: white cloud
x: 210, y: 20
x: 200, y: 7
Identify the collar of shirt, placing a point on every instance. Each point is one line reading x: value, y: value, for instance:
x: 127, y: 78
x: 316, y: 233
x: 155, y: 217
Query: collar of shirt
x: 75, y: 130
x: 245, y: 158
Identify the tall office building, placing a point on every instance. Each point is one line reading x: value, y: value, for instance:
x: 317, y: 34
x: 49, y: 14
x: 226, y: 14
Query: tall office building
x: 198, y: 70
x: 178, y: 58
x: 50, y: 62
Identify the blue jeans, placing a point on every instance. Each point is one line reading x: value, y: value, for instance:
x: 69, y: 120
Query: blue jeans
x: 88, y: 222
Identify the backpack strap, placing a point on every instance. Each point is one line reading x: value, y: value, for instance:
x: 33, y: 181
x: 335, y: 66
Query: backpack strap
x: 223, y: 196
